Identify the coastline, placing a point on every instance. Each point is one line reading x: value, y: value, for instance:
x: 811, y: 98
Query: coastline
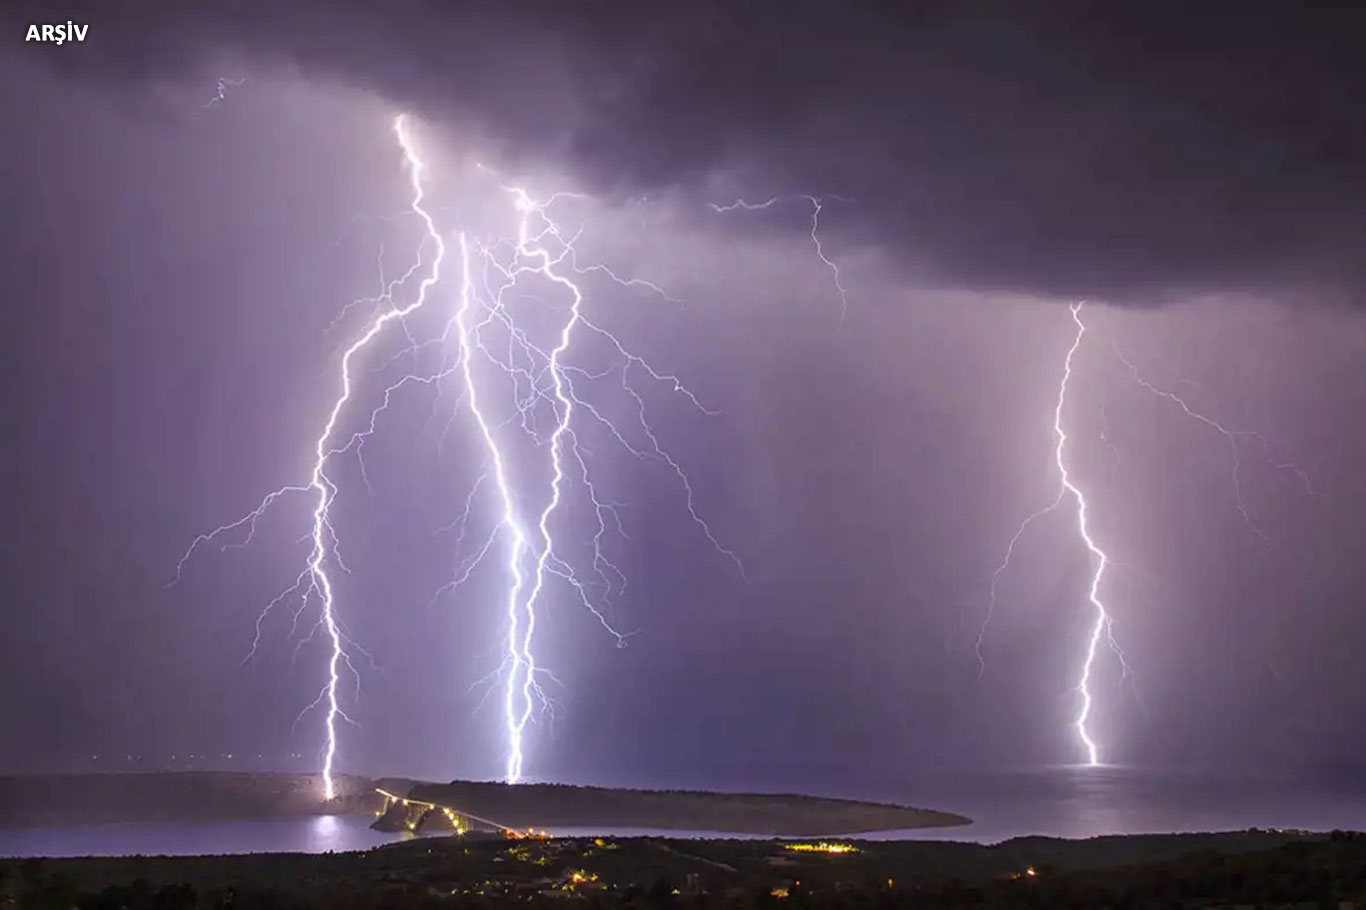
x: 45, y: 801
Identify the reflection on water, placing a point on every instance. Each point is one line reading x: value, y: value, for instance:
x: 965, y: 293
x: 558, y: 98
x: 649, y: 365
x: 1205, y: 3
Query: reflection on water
x: 321, y: 834
x: 1061, y: 802
x: 1081, y: 801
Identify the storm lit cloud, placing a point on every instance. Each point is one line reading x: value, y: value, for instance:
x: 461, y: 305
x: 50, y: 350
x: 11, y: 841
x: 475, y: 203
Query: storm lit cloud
x: 179, y: 256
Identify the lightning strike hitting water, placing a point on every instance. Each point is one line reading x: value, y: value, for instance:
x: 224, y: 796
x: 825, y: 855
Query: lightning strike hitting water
x: 315, y: 581
x: 542, y: 379
x: 1102, y: 624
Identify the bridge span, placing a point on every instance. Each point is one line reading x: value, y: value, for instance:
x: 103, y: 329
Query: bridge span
x: 400, y: 813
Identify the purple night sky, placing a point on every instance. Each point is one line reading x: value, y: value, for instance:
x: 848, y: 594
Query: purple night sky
x: 176, y: 273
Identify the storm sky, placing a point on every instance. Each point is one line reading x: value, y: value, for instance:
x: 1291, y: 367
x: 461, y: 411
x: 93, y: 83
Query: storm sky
x: 176, y: 275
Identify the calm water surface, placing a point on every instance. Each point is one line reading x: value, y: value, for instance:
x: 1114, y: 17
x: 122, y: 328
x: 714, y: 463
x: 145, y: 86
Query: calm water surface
x: 1061, y: 802
x: 276, y: 835
x: 1080, y: 801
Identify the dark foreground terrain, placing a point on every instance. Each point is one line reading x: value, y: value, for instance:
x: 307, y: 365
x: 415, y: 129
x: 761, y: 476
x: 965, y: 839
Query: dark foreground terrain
x: 1247, y: 869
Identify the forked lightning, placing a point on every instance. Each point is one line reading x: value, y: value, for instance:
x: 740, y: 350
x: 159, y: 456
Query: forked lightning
x: 541, y: 379
x: 1102, y: 623
x: 546, y: 378
x: 315, y: 581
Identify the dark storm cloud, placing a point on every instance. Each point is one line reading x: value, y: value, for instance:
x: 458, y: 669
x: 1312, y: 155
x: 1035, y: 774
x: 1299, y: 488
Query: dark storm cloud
x: 1129, y: 155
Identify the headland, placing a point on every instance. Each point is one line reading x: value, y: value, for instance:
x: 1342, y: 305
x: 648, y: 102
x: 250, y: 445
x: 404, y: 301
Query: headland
x: 41, y: 801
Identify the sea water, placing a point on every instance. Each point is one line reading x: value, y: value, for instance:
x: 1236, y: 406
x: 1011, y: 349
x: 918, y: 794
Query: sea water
x: 1060, y: 802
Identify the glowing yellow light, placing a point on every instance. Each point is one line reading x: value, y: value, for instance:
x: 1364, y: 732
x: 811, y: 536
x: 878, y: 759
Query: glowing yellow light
x: 779, y: 892
x: 1030, y: 871
x: 823, y: 847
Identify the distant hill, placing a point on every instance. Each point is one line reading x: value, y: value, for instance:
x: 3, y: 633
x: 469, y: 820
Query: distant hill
x: 44, y: 800
x: 194, y: 795
x: 565, y: 806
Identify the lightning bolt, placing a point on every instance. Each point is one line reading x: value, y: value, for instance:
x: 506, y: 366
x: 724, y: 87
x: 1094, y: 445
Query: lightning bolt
x: 221, y: 93
x: 323, y: 486
x: 817, y: 206
x: 1233, y: 438
x: 542, y: 263
x: 519, y: 657
x: 315, y: 581
x: 546, y: 379
x: 1102, y: 624
x: 1000, y: 570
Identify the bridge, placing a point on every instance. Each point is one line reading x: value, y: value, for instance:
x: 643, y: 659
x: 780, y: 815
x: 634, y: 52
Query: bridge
x: 400, y: 813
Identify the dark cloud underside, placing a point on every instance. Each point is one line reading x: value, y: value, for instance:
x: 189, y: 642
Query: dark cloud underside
x: 1129, y: 155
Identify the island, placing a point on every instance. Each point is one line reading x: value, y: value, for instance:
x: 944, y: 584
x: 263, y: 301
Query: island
x: 402, y: 803
x: 493, y: 805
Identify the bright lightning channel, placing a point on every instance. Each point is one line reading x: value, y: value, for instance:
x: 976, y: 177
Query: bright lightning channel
x: 1102, y: 624
x: 544, y: 377
x: 1102, y: 621
x: 518, y: 656
x: 314, y: 580
x: 565, y: 411
x: 541, y: 248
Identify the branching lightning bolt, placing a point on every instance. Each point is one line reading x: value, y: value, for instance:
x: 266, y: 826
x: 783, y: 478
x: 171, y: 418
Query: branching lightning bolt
x: 1233, y: 437
x: 221, y: 92
x: 1102, y: 625
x: 314, y: 580
x: 1000, y: 569
x: 547, y: 379
x: 544, y: 378
x: 518, y: 658
x: 565, y: 411
x: 817, y: 205
x: 320, y: 482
